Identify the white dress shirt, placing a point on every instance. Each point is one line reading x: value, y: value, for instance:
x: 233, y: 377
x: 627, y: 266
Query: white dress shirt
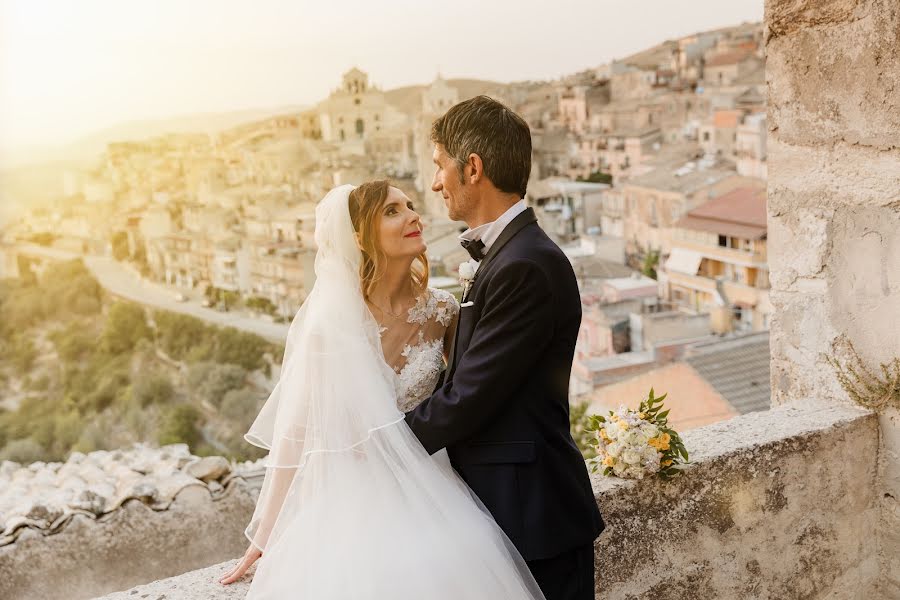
x: 489, y: 232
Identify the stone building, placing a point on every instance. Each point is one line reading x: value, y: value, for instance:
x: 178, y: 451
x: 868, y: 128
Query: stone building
x: 436, y: 100
x: 718, y: 257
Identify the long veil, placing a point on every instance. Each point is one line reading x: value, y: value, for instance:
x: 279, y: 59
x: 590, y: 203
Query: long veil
x: 351, y: 500
x: 335, y: 388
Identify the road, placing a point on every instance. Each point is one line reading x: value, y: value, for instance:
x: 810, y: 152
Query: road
x: 124, y: 282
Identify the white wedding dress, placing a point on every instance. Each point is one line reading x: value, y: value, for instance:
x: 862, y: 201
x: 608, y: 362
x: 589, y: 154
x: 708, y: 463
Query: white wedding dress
x: 352, y: 506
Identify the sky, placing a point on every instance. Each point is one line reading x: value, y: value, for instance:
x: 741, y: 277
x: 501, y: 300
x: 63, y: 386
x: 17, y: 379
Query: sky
x: 69, y: 68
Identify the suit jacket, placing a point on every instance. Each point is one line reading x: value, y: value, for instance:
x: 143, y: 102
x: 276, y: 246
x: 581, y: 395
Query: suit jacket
x: 502, y: 409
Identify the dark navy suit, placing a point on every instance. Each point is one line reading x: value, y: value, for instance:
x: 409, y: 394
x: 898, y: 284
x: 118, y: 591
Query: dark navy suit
x: 502, y: 409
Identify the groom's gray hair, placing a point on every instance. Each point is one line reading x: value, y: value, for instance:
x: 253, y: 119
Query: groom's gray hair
x: 495, y: 133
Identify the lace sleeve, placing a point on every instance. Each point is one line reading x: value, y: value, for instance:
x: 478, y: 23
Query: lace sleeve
x: 447, y: 307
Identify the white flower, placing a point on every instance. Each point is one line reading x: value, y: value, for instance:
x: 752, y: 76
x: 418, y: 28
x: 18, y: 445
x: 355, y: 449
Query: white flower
x: 613, y: 430
x: 614, y: 449
x: 650, y: 430
x: 467, y: 271
x: 637, y: 438
x: 631, y: 457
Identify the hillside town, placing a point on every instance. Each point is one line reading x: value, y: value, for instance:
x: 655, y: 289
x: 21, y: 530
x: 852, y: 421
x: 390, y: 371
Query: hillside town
x: 649, y: 172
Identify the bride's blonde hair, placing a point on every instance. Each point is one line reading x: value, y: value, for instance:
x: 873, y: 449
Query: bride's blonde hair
x: 365, y: 214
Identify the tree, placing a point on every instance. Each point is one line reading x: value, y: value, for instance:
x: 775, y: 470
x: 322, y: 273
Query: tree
x: 651, y: 262
x: 180, y: 426
x: 153, y: 389
x: 179, y: 334
x: 125, y: 325
x: 261, y: 304
x: 211, y: 381
x: 241, y: 348
x: 598, y: 177
x: 120, y: 248
x: 73, y: 342
x: 241, y: 407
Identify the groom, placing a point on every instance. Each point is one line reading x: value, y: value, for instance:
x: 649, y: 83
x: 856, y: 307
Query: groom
x: 502, y: 410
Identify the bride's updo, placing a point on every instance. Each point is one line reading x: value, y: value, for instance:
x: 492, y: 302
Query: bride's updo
x: 365, y: 214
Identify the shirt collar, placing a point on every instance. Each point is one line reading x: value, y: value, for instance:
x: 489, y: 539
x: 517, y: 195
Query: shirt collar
x: 489, y: 232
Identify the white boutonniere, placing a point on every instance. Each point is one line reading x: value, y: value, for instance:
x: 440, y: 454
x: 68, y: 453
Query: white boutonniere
x: 467, y: 271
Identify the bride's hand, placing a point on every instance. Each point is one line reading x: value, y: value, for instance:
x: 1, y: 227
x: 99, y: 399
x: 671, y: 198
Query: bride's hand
x: 250, y: 556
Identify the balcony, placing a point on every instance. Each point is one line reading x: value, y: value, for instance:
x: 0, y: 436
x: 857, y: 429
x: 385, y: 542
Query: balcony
x: 732, y: 256
x: 694, y: 282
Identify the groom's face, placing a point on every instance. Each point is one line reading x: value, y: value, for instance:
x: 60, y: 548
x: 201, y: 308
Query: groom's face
x: 449, y: 182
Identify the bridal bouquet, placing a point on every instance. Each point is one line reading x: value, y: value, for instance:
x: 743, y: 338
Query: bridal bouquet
x: 635, y: 443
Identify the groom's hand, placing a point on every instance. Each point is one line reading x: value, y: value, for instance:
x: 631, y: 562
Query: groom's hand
x: 250, y: 556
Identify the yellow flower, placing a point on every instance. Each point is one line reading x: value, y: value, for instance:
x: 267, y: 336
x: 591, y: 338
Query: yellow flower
x: 623, y: 425
x: 603, y: 435
x: 642, y: 415
x: 666, y: 462
x: 660, y: 442
x: 609, y: 461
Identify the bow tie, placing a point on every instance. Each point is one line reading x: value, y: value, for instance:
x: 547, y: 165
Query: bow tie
x: 475, y: 248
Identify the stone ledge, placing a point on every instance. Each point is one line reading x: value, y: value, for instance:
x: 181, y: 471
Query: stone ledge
x: 776, y: 504
x: 46, y: 496
x: 137, y: 540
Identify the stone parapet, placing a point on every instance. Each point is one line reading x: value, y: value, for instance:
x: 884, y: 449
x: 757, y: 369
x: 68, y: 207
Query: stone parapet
x: 776, y: 504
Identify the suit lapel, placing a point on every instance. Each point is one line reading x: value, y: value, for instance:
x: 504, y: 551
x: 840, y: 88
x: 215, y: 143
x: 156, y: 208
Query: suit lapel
x: 526, y: 217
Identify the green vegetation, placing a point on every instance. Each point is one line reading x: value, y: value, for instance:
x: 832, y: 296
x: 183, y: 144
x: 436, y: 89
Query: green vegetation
x: 597, y: 177
x: 650, y: 264
x: 87, y: 373
x: 120, y: 248
x: 868, y: 388
x: 579, y: 421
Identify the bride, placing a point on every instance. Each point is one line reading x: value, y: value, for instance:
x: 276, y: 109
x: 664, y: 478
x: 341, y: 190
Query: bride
x: 352, y: 506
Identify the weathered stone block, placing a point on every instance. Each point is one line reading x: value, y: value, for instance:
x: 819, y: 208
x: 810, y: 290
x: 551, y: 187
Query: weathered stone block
x: 834, y: 71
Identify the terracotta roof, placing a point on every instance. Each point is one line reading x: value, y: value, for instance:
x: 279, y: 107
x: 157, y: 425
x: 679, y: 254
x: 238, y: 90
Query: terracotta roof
x: 728, y: 119
x: 729, y: 58
x: 692, y: 401
x: 739, y: 213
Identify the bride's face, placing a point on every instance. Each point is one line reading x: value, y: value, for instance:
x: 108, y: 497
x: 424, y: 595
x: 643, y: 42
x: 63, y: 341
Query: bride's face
x: 400, y: 228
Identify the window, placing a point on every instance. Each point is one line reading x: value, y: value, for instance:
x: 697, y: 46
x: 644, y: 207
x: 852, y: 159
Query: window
x: 705, y: 136
x: 360, y: 127
x: 723, y: 241
x: 356, y: 101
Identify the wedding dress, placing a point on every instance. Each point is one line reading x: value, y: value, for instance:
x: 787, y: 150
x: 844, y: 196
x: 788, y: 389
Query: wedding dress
x: 352, y: 506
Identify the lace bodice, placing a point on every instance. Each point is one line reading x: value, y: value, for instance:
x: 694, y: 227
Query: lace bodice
x: 415, y: 347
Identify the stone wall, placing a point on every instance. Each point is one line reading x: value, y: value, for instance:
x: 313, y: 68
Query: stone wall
x: 833, y: 73
x: 778, y: 504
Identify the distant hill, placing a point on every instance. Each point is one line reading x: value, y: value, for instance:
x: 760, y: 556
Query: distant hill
x: 90, y: 147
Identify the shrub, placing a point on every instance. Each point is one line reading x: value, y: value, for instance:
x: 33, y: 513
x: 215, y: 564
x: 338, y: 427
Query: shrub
x: 241, y: 407
x: 211, y: 381
x: 125, y: 325
x: 23, y: 451
x: 180, y: 426
x: 153, y: 389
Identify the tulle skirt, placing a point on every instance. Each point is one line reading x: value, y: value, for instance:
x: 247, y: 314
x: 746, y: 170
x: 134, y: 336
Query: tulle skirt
x: 383, y: 520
